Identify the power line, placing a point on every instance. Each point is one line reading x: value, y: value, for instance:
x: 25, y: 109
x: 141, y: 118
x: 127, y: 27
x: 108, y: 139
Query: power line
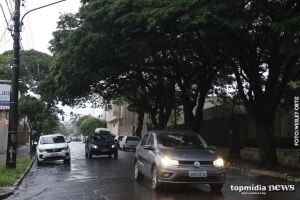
x: 2, y: 37
x: 5, y: 41
x: 9, y: 9
x: 4, y: 15
x: 27, y: 38
x: 11, y: 4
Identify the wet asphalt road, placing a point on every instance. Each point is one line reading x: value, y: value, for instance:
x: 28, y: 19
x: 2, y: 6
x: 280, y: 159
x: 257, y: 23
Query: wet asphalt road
x: 103, y: 178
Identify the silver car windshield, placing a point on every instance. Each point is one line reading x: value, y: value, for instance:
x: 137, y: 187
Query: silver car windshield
x: 52, y: 139
x: 180, y: 141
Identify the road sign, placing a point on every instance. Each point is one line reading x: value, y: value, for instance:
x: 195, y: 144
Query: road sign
x: 4, y: 96
x: 5, y: 90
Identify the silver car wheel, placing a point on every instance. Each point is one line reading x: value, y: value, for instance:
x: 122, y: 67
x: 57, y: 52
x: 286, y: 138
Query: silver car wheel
x: 138, y: 176
x: 154, y: 178
x: 136, y: 171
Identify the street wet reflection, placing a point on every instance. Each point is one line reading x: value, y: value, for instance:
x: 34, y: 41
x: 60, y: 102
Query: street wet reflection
x: 106, y: 178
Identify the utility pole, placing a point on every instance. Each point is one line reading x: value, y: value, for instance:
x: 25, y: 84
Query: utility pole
x: 11, y: 153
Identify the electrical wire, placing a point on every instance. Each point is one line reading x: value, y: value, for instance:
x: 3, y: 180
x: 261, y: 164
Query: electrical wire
x: 11, y: 5
x: 9, y: 9
x: 2, y: 37
x: 5, y: 42
x: 27, y: 38
x: 4, y: 15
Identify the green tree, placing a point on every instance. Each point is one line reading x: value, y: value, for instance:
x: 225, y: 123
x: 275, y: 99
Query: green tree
x: 262, y: 47
x: 194, y: 43
x: 33, y: 68
x: 116, y: 39
x: 38, y: 116
x: 89, y: 125
x: 81, y: 119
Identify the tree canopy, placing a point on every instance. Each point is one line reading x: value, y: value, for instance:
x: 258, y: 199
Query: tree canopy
x: 89, y: 124
x: 163, y: 54
x: 38, y: 116
x: 33, y: 68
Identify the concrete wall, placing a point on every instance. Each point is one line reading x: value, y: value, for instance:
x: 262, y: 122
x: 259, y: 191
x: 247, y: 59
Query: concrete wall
x: 3, y: 137
x: 290, y: 157
x: 114, y: 127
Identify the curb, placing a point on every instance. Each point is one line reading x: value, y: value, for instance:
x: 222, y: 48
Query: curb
x: 18, y: 182
x: 283, y: 176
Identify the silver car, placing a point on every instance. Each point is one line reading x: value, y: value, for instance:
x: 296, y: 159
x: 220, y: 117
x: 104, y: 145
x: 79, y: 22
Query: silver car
x: 178, y: 157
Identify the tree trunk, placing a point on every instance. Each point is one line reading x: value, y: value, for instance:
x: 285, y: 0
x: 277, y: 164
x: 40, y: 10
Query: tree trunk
x: 139, y: 129
x: 199, y: 111
x: 188, y: 115
x: 267, y: 150
x: 30, y: 138
x: 153, y: 118
x: 161, y: 117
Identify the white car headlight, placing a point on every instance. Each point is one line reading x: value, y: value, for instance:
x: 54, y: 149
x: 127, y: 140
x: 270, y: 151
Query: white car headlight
x: 219, y: 162
x: 165, y: 161
x: 42, y: 150
x: 94, y: 146
x: 66, y: 148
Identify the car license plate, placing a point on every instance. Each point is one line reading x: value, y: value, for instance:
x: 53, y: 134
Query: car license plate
x: 53, y: 154
x: 104, y: 150
x: 197, y: 174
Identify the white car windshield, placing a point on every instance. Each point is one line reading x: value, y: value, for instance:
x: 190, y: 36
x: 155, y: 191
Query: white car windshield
x: 52, y: 139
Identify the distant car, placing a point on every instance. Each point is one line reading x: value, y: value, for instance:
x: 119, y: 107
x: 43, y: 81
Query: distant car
x: 118, y: 139
x: 178, y: 157
x: 101, y: 143
x: 129, y: 142
x: 53, y: 147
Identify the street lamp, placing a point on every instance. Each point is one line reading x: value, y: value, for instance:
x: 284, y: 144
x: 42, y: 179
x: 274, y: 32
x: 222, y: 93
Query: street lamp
x: 11, y: 153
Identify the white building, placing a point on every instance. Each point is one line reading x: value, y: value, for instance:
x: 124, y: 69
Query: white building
x: 120, y: 120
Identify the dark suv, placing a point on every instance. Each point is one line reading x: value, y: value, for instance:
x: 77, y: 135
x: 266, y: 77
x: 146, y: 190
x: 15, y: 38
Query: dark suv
x: 101, y: 143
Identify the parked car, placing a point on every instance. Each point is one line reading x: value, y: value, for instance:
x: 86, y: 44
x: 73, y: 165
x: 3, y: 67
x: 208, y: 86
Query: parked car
x: 129, y: 142
x: 118, y: 139
x: 101, y: 143
x: 53, y: 147
x: 178, y: 157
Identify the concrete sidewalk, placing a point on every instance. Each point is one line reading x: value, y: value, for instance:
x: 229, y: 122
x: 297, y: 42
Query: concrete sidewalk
x: 281, y: 172
x: 23, y: 150
x: 2, y: 158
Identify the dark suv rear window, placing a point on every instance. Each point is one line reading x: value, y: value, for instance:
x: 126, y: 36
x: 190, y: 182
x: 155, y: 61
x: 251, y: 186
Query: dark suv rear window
x: 120, y: 138
x: 102, y: 137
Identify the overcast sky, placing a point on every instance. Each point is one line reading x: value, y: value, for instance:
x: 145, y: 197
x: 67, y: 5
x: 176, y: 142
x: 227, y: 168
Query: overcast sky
x: 37, y: 31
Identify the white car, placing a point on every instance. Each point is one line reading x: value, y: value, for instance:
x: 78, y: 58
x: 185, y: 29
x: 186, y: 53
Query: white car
x: 53, y: 147
x: 129, y: 142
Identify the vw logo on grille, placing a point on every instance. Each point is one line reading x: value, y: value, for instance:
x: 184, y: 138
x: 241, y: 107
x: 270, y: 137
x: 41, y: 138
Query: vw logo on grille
x: 196, y: 164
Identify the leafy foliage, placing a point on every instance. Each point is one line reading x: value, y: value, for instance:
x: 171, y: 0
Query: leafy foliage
x: 160, y: 54
x: 33, y: 68
x: 89, y: 125
x: 37, y: 114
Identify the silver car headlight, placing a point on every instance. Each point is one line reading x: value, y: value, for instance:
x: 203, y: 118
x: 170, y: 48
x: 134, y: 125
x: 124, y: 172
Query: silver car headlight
x: 219, y: 162
x: 166, y: 161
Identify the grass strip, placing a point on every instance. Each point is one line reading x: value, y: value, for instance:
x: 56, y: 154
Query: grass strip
x: 9, y: 176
